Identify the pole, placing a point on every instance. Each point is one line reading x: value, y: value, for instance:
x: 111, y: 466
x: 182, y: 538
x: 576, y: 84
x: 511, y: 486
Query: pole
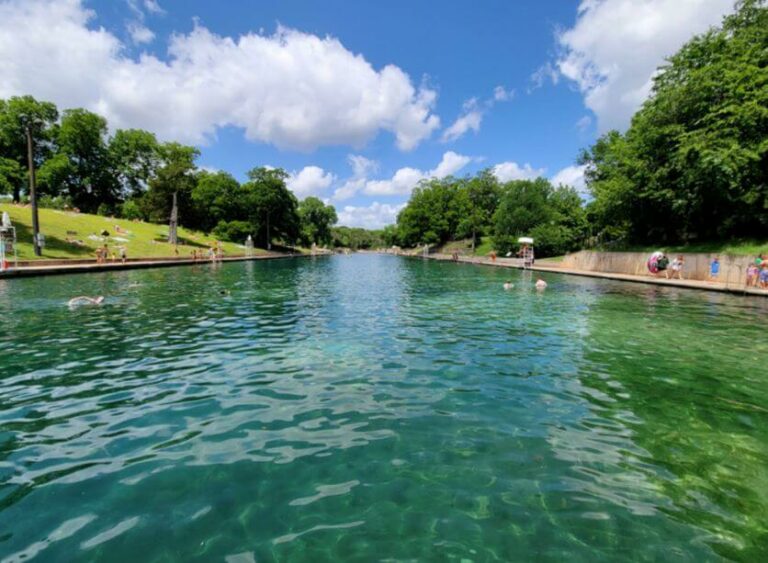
x: 269, y: 241
x: 32, y: 194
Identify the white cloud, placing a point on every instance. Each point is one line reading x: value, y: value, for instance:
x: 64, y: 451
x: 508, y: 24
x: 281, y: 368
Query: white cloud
x: 584, y: 123
x: 508, y: 171
x: 375, y: 216
x: 571, y: 176
x: 291, y: 89
x: 140, y: 34
x: 615, y: 47
x: 502, y: 95
x: 361, y: 168
x: 543, y: 73
x: 153, y: 7
x: 310, y: 180
x: 469, y: 120
x: 405, y: 179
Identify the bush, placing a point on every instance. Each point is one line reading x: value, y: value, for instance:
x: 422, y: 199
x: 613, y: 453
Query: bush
x: 57, y: 202
x: 130, y: 210
x: 105, y: 210
x: 233, y: 231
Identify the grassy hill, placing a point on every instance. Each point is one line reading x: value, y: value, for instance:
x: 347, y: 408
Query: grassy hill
x: 77, y: 235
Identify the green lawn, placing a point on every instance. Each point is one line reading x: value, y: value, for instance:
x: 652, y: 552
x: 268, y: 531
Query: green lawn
x: 142, y: 240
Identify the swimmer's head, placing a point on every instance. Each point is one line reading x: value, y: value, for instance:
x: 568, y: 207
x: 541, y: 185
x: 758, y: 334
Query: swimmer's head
x: 99, y: 300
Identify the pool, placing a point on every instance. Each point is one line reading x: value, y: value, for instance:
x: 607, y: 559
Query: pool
x: 372, y: 407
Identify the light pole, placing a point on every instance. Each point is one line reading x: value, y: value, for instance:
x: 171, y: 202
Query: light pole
x: 32, y: 193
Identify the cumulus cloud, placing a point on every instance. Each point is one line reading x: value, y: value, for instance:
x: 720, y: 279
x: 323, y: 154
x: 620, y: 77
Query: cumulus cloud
x: 405, y: 179
x: 153, y: 7
x: 615, y: 47
x: 571, y: 176
x: 545, y: 72
x: 472, y: 114
x: 140, y: 34
x: 310, y: 180
x: 500, y: 94
x: 361, y: 168
x: 508, y: 171
x: 469, y: 120
x: 375, y: 216
x: 291, y: 89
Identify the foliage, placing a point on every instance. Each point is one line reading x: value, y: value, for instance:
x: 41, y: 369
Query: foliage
x: 132, y: 175
x: 15, y: 115
x: 270, y: 206
x: 316, y: 220
x: 694, y: 163
x: 233, y: 231
x: 356, y: 238
x: 554, y: 217
x: 433, y: 213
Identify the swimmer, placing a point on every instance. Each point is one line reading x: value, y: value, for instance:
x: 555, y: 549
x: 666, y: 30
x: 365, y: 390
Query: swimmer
x: 223, y: 292
x: 541, y: 285
x: 508, y: 285
x: 84, y: 300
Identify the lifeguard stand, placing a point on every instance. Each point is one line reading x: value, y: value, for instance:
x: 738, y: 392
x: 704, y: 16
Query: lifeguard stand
x: 526, y: 251
x: 7, y: 243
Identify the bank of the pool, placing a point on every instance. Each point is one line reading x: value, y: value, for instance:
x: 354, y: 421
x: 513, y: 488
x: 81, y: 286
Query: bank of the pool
x: 83, y: 267
x: 557, y: 269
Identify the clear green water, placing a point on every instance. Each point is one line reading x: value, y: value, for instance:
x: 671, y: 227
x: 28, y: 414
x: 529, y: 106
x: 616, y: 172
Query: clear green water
x: 376, y: 408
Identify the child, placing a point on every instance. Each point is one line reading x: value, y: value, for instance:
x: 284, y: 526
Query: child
x: 764, y: 276
x: 677, y: 267
x: 714, y: 269
x: 752, y: 274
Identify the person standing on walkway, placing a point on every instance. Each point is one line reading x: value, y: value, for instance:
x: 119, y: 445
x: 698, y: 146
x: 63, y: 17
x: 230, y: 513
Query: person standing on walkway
x: 752, y: 274
x: 714, y: 269
x: 677, y: 267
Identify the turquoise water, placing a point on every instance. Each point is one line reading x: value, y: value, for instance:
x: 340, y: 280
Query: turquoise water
x: 378, y: 408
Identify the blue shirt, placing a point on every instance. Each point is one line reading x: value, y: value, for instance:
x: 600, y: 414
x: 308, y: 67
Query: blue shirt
x: 715, y: 267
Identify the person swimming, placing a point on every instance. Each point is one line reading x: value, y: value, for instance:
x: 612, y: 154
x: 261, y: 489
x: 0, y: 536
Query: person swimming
x: 85, y: 300
x: 508, y: 285
x: 541, y: 285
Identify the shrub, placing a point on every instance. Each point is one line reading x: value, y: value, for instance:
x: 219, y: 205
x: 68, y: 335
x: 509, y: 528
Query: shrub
x: 233, y: 231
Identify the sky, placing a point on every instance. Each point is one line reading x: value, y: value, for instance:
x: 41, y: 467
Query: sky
x: 357, y: 101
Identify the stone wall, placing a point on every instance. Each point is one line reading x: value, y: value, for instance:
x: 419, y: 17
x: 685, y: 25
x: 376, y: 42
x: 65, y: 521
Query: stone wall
x: 732, y: 268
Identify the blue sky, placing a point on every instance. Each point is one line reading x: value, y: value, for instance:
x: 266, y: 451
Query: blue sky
x: 357, y: 100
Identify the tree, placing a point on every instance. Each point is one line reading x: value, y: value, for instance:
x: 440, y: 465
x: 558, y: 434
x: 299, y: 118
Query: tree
x: 271, y: 206
x: 482, y: 197
x: 15, y: 114
x: 433, y: 213
x: 316, y: 220
x: 135, y: 157
x: 175, y: 175
x: 554, y: 217
x: 694, y: 162
x: 218, y: 197
x: 81, y: 166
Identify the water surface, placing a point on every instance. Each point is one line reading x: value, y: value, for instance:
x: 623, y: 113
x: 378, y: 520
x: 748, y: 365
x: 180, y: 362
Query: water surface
x: 379, y: 408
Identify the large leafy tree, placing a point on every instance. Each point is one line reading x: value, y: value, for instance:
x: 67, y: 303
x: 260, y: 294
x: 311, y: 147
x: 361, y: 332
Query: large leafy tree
x: 554, y: 217
x: 219, y: 197
x: 175, y: 175
x: 135, y: 157
x: 15, y: 114
x: 433, y: 213
x: 480, y: 199
x: 271, y: 207
x: 81, y: 166
x: 316, y: 220
x: 694, y: 162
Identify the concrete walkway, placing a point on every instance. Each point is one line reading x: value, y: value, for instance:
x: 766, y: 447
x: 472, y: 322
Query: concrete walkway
x: 61, y: 267
x: 553, y: 267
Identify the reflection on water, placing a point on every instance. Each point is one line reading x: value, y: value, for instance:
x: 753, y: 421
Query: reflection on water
x: 372, y: 407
